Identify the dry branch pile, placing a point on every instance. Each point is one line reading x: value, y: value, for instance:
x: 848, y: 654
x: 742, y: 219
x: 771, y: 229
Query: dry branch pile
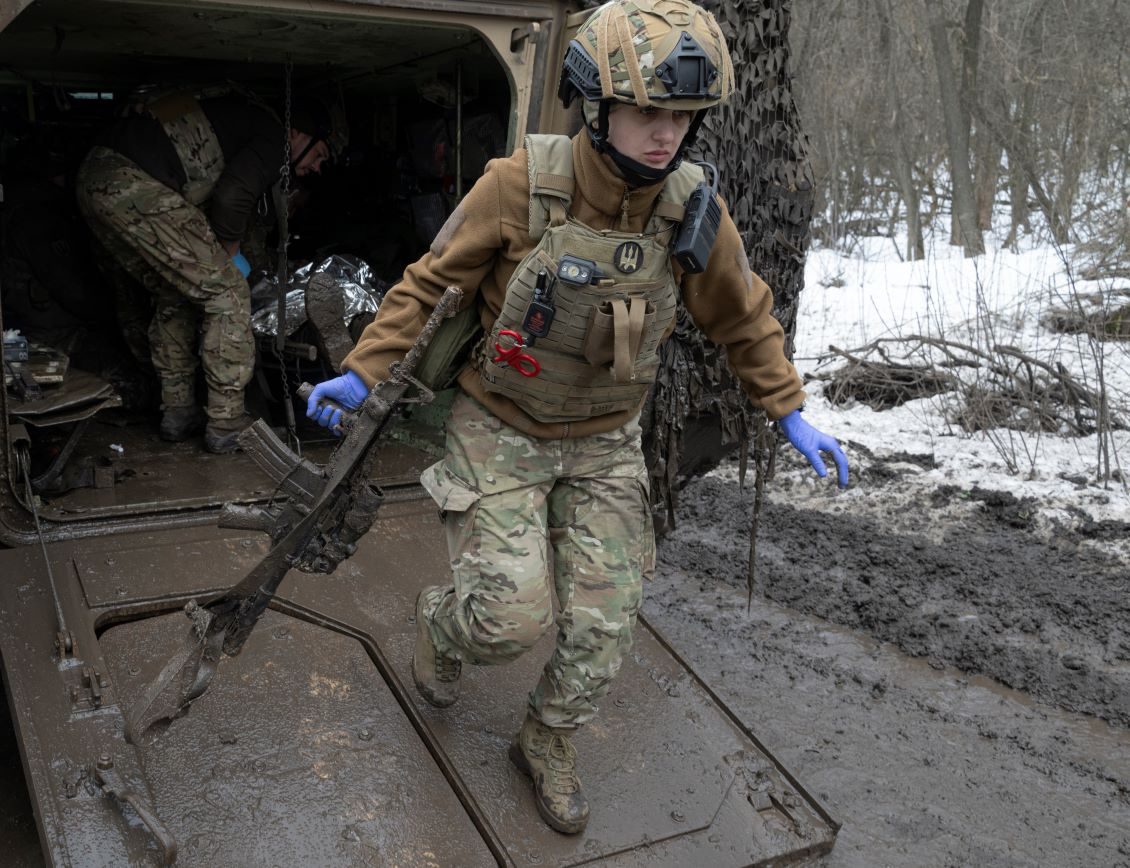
x: 998, y: 387
x: 883, y: 384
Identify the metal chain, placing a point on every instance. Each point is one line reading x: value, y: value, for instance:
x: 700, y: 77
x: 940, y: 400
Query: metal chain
x: 284, y: 169
x: 283, y: 264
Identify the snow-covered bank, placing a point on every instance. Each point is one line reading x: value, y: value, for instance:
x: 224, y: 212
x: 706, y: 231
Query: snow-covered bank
x: 999, y: 298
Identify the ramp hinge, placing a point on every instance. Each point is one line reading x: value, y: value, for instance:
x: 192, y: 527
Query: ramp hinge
x: 65, y: 644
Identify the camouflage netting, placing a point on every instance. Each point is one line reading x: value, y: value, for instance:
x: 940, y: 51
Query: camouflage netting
x: 769, y: 190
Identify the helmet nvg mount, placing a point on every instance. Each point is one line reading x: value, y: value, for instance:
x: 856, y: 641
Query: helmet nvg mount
x: 668, y: 54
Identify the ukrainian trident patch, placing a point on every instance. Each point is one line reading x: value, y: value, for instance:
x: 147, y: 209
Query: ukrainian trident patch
x: 628, y: 257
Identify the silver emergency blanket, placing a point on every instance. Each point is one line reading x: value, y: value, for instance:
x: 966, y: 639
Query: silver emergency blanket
x: 361, y: 289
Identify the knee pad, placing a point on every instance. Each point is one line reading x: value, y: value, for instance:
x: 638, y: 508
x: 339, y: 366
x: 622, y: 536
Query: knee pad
x: 508, y: 629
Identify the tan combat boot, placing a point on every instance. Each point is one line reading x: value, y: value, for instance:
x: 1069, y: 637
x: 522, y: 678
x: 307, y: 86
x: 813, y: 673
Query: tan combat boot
x: 548, y: 756
x: 436, y: 675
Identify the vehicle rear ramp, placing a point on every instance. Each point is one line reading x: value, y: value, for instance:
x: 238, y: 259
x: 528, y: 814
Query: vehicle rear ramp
x: 312, y: 746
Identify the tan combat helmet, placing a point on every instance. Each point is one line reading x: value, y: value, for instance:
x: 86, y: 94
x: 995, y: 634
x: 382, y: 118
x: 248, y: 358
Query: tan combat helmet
x: 668, y: 54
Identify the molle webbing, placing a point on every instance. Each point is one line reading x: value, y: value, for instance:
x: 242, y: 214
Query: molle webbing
x: 594, y: 361
x: 601, y: 353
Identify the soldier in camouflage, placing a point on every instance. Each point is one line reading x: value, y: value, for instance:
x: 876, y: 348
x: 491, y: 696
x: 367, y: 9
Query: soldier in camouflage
x: 565, y: 248
x: 168, y: 192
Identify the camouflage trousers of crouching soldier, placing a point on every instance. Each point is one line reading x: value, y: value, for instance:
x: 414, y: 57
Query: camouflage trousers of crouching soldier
x: 503, y: 495
x: 167, y: 245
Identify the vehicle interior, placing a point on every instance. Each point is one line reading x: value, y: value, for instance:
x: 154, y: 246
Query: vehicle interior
x: 428, y: 101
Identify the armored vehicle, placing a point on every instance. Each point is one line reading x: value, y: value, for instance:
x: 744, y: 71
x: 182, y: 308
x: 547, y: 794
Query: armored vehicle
x: 310, y: 747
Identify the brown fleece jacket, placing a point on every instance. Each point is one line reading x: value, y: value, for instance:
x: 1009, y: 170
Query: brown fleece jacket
x: 486, y: 237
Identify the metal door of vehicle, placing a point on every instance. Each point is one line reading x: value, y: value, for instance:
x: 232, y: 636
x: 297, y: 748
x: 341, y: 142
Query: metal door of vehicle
x: 311, y: 747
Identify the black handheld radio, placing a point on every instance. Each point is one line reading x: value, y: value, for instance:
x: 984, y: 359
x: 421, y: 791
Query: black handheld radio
x: 539, y: 315
x: 700, y: 225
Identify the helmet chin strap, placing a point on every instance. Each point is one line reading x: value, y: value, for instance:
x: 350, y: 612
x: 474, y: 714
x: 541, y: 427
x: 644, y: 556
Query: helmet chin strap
x: 309, y: 146
x: 636, y: 173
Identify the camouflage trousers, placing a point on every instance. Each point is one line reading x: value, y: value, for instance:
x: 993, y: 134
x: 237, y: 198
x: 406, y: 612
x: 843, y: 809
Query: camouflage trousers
x: 167, y: 245
x: 530, y: 522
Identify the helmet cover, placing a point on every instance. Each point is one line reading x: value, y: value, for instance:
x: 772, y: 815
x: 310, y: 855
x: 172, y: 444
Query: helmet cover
x: 667, y: 53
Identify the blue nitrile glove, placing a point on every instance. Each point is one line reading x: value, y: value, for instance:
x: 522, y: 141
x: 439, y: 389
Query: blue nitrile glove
x: 240, y: 262
x: 347, y: 391
x: 810, y: 443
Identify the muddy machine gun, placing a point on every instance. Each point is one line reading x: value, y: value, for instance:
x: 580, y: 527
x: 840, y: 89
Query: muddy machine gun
x: 330, y: 507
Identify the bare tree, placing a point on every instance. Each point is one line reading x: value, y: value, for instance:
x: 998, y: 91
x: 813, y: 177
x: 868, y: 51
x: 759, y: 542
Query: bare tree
x: 1040, y: 112
x: 955, y: 113
x: 900, y: 133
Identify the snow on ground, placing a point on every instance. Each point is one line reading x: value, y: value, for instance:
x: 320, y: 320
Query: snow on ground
x: 998, y: 298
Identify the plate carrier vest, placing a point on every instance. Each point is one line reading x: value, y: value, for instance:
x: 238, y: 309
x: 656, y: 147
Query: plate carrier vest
x: 601, y: 353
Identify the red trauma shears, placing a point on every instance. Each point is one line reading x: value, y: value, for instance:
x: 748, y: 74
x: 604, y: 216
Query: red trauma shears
x: 523, y: 363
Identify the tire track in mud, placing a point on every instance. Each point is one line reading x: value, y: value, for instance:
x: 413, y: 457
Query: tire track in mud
x: 980, y: 591
x: 922, y: 766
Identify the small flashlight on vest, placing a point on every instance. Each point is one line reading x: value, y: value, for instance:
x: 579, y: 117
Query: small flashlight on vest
x: 576, y: 271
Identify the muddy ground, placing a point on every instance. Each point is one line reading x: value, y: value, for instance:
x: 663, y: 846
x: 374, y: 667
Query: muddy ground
x: 948, y: 669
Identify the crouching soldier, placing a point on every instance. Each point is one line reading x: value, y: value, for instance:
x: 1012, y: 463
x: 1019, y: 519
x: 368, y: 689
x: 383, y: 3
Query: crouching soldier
x: 566, y: 249
x: 168, y: 191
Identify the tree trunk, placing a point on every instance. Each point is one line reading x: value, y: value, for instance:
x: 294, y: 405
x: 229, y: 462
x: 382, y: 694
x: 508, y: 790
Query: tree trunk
x: 957, y: 136
x: 1072, y: 157
x: 985, y: 147
x: 1017, y: 144
x: 1018, y: 206
x: 1017, y: 177
x: 987, y: 160
x: 903, y: 162
x: 979, y: 142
